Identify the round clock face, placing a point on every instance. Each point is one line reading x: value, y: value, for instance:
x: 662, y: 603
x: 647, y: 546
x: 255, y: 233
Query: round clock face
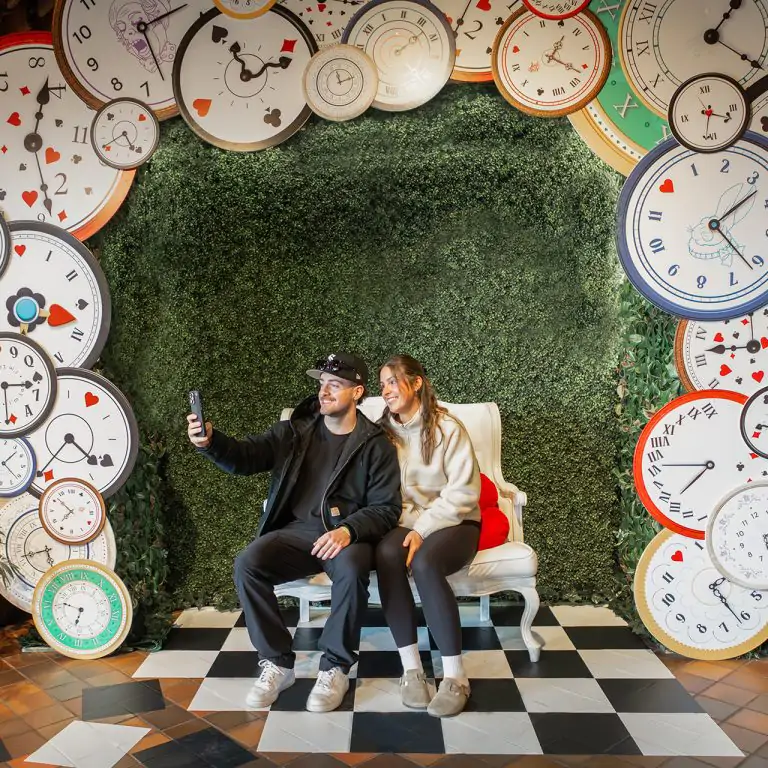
x: 17, y: 466
x: 708, y: 113
x: 412, y: 45
x: 757, y: 97
x: 55, y: 292
x: 82, y: 609
x: 725, y: 354
x: 48, y: 169
x: 691, y: 231
x: 326, y: 20
x: 27, y: 384
x: 690, y: 608
x: 72, y: 511
x: 664, y: 44
x: 125, y: 133
x: 238, y: 83
x: 110, y: 50
x: 340, y: 82
x: 243, y: 9
x: 31, y: 551
x: 5, y: 244
x: 691, y: 453
x: 550, y: 68
x: 556, y: 9
x: 91, y: 434
x: 737, y: 536
x: 754, y: 422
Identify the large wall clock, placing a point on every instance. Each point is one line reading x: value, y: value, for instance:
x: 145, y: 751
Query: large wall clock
x: 326, y: 20
x: 123, y: 48
x: 55, y: 292
x: 726, y: 354
x: 691, y: 453
x: 691, y: 229
x: 5, y: 243
x: 757, y: 97
x: 48, y: 169
x: 754, y: 422
x: 91, y: 434
x: 690, y: 608
x: 239, y: 83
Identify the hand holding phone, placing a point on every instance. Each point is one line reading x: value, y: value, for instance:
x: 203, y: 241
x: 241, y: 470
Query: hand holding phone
x: 198, y: 431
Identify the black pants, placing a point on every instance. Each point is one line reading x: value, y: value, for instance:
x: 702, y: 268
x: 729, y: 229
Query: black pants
x: 284, y: 555
x: 442, y: 553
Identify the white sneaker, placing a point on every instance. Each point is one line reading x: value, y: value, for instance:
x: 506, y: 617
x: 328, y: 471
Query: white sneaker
x: 329, y: 690
x: 272, y: 681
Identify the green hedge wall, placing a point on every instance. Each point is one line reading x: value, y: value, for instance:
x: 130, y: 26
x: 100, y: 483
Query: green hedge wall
x: 465, y: 233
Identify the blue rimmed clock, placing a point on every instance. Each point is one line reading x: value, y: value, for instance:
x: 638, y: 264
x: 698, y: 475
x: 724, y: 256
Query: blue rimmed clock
x: 691, y: 231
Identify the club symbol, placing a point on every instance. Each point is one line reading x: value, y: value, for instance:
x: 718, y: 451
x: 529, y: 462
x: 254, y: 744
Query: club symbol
x: 77, y: 159
x: 739, y: 466
x: 273, y: 118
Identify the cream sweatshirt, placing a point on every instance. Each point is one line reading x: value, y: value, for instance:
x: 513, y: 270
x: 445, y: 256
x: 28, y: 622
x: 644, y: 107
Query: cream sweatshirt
x: 444, y: 492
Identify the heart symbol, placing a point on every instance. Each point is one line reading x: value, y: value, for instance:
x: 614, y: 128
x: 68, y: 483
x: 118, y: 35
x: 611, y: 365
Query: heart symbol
x: 59, y: 316
x: 218, y: 34
x: 484, y: 5
x: 90, y: 399
x: 51, y: 156
x: 201, y: 106
x: 667, y: 186
x: 763, y: 342
x: 142, y: 117
x: 82, y: 304
x: 321, y: 7
x: 20, y: 249
x: 93, y: 461
x: 724, y: 370
x: 678, y: 556
x: 719, y: 337
x: 758, y: 376
x: 106, y: 461
x: 108, y: 148
x: 515, y: 49
x: 15, y: 119
x: 29, y: 197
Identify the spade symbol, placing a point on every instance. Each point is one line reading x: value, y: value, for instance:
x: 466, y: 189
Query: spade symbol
x: 82, y: 304
x: 93, y: 461
x: 59, y: 123
x: 499, y: 21
x: 561, y: 23
x: 736, y: 335
x: 752, y: 361
x: 37, y: 377
x: 22, y: 167
x: 489, y: 51
x: 106, y: 460
x: 218, y: 34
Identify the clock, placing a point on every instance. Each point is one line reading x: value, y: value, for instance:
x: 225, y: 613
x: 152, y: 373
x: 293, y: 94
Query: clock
x: 17, y: 466
x: 91, y: 434
x: 725, y: 354
x: 48, y: 169
x: 556, y: 9
x: 690, y: 608
x: 30, y: 551
x: 27, y: 385
x: 689, y: 454
x: 550, y: 68
x: 123, y: 48
x: 55, y: 293
x: 243, y: 9
x: 663, y: 44
x: 757, y: 98
x: 412, y: 45
x: 125, y: 133
x: 5, y: 244
x: 691, y: 230
x: 737, y: 536
x: 340, y: 82
x: 238, y: 83
x: 754, y: 422
x: 708, y: 112
x: 72, y: 511
x: 326, y: 20
x: 82, y: 609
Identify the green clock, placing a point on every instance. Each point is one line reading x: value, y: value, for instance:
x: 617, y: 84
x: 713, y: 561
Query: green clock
x: 82, y: 609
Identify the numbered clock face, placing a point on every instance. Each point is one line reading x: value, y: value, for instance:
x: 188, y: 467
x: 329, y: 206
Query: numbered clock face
x: 55, y: 293
x: 690, y: 608
x: 48, y: 169
x: 72, y: 511
x: 91, y: 434
x: 725, y: 354
x: 244, y: 9
x: 664, y: 44
x: 550, y: 68
x: 5, y: 244
x: 325, y: 20
x: 122, y: 48
x: 82, y: 609
x: 691, y: 230
x: 754, y: 422
x: 27, y: 385
x: 708, y: 113
x: 125, y: 133
x: 737, y: 536
x: 31, y: 551
x: 238, y: 83
x: 556, y: 9
x: 17, y: 466
x: 690, y: 454
x: 412, y: 45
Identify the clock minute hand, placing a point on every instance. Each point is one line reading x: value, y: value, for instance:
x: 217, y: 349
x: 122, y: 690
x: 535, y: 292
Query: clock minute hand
x: 714, y: 225
x: 282, y: 63
x: 168, y: 13
x: 738, y: 205
x: 706, y: 467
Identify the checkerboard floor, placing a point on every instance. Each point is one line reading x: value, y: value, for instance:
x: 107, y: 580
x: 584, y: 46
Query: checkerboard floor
x: 597, y: 689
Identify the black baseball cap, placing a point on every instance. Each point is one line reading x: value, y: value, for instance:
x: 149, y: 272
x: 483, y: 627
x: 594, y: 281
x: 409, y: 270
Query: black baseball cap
x: 343, y: 365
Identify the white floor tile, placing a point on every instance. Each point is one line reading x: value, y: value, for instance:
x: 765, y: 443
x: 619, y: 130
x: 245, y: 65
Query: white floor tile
x: 307, y: 663
x: 381, y: 694
x: 317, y: 618
x: 238, y: 640
x: 635, y: 664
x: 587, y: 616
x: 477, y: 664
x: 177, y: 664
x: 222, y: 694
x: 306, y: 732
x: 380, y: 639
x: 551, y: 638
x: 490, y: 733
x: 689, y: 733
x: 207, y: 617
x: 569, y: 694
x: 470, y: 616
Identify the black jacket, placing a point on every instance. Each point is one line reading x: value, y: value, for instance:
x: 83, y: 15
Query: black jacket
x: 364, y: 489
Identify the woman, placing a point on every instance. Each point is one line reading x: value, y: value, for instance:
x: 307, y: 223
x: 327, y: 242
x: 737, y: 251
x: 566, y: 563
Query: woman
x: 437, y: 535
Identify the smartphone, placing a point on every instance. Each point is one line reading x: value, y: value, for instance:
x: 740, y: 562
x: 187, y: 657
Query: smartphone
x: 196, y: 406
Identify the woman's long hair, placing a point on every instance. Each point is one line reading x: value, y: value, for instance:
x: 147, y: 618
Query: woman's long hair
x: 407, y: 368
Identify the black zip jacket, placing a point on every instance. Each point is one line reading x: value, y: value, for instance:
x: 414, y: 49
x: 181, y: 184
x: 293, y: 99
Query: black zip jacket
x: 363, y: 492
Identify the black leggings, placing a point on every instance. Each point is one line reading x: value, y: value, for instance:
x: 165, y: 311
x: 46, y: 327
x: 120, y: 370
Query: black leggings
x: 442, y: 553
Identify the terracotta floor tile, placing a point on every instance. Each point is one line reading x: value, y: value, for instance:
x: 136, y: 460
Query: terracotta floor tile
x: 49, y: 674
x: 759, y: 666
x: 25, y: 704
x: 418, y: 759
x: 191, y: 726
x: 685, y: 762
x: 722, y: 762
x: 354, y: 758
x: 747, y: 741
x: 754, y: 762
x: 532, y: 761
x: 6, y: 713
x: 111, y: 677
x: 136, y: 722
x: 39, y: 718
x: 21, y: 660
x: 85, y: 670
x: 75, y: 706
x: 21, y: 762
x: 711, y: 670
x: 150, y: 740
x: 8, y: 676
x: 730, y: 694
x: 644, y: 761
x: 743, y: 678
x: 126, y: 662
x: 759, y: 703
x: 281, y: 758
x: 68, y: 691
x: 753, y: 721
x: 248, y: 734
x: 694, y: 684
x: 182, y: 692
x: 18, y: 690
x: 14, y: 727
x: 227, y: 720
x: 717, y: 710
x: 49, y: 731
x: 24, y: 743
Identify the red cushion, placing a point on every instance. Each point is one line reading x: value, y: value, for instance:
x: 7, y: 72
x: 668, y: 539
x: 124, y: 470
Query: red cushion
x: 494, y: 528
x: 489, y: 495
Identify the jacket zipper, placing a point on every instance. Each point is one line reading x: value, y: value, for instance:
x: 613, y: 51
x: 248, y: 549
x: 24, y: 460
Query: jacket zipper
x: 333, y: 479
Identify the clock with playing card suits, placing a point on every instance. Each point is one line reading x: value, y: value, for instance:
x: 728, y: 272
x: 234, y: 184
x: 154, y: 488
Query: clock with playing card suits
x: 239, y: 83
x: 723, y: 354
x: 91, y: 434
x: 125, y: 133
x: 48, y: 169
x: 326, y: 20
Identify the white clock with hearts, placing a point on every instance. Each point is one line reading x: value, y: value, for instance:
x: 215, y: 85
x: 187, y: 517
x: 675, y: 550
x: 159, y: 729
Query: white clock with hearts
x: 125, y: 133
x: 91, y: 434
x: 72, y: 511
x: 326, y: 20
x: 17, y: 466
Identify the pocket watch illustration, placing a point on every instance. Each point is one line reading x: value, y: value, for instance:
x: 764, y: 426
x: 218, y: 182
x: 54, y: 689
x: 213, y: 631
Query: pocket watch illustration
x: 17, y: 466
x: 125, y: 133
x: 72, y: 511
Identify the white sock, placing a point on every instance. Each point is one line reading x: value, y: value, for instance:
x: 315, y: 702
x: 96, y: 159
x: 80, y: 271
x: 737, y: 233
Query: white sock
x: 409, y: 655
x: 454, y: 668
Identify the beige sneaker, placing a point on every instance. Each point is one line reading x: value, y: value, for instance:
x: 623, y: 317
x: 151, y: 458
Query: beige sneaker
x: 272, y: 681
x: 329, y: 691
x: 450, y: 699
x: 414, y: 692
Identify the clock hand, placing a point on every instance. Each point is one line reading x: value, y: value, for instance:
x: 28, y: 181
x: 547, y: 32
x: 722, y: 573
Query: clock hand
x: 47, y: 202
x: 738, y: 205
x: 42, y: 469
x: 720, y: 348
x: 79, y: 448
x: 734, y: 4
x: 460, y: 20
x: 5, y: 395
x: 411, y: 40
x: 704, y: 464
x: 719, y: 595
x: 141, y: 27
x: 282, y: 63
x: 712, y: 37
x: 71, y: 511
x: 168, y: 13
x: 714, y: 225
x: 569, y: 65
x: 245, y: 73
x: 709, y: 465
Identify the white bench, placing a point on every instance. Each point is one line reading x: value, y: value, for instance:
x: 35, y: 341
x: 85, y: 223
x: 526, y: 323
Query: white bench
x: 512, y: 566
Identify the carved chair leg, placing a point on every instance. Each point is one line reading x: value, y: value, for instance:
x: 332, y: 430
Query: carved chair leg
x: 531, y: 597
x: 303, y: 610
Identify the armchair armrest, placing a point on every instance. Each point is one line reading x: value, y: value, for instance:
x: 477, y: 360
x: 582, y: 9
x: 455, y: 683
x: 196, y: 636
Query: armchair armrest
x: 518, y: 498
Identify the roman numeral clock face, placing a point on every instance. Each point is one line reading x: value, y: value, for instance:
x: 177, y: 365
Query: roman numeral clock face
x: 326, y: 20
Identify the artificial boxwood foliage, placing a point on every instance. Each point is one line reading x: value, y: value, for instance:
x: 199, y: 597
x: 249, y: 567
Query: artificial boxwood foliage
x: 465, y: 233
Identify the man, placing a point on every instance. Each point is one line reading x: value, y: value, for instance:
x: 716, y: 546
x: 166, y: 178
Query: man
x: 335, y: 492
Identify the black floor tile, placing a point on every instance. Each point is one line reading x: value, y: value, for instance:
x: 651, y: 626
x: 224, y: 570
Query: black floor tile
x: 510, y: 616
x: 388, y: 664
x: 550, y: 664
x: 581, y: 733
x: 169, y: 755
x: 196, y: 639
x: 479, y: 639
x: 402, y: 732
x: 4, y: 753
x: 240, y: 620
x: 294, y: 699
x: 604, y: 638
x: 306, y: 638
x: 494, y: 696
x: 216, y: 748
x: 290, y: 617
x: 122, y: 699
x: 627, y: 695
x: 235, y: 664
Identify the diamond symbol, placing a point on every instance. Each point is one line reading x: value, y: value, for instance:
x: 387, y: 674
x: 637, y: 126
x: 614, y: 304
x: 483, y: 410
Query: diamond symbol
x: 3, y: 149
x: 62, y: 215
x: 24, y: 91
x: 12, y: 419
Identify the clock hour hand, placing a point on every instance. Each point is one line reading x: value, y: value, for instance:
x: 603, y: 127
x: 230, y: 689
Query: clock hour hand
x: 720, y: 348
x: 141, y: 28
x: 708, y: 465
x: 721, y: 597
x: 411, y: 41
x: 714, y: 225
x: 282, y: 63
x: 5, y: 396
x: 460, y: 20
x: 42, y: 469
x: 712, y: 37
